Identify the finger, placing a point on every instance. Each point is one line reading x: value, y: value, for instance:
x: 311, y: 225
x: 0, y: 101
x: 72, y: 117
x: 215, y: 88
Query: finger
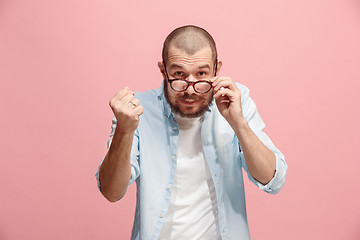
x: 224, y: 92
x: 139, y: 110
x: 116, y: 102
x: 226, y: 83
x: 136, y: 101
x: 123, y: 92
x: 219, y: 79
x: 132, y: 104
x: 215, y: 82
x: 127, y: 99
x: 213, y: 79
x: 222, y: 99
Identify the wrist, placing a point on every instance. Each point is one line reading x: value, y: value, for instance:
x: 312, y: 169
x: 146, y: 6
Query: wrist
x: 241, y: 126
x: 124, y: 132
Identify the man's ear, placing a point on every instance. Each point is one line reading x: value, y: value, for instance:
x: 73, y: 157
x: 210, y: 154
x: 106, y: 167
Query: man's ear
x: 219, y: 65
x: 162, y: 69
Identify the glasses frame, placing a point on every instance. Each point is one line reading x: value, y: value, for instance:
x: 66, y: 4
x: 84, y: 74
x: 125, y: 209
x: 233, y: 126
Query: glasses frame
x: 189, y: 83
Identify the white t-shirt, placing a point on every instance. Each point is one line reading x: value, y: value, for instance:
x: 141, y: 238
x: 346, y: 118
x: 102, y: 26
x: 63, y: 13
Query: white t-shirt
x: 192, y: 212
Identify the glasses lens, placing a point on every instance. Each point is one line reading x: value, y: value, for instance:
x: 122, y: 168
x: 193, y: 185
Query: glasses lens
x: 202, y: 87
x: 179, y: 85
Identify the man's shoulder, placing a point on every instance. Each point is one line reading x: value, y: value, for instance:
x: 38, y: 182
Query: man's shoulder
x: 242, y: 87
x: 245, y: 91
x: 149, y: 95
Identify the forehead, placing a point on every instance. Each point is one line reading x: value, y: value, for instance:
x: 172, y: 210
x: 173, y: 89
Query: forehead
x: 178, y: 57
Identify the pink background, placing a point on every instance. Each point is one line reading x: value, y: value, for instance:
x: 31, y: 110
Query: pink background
x: 62, y: 61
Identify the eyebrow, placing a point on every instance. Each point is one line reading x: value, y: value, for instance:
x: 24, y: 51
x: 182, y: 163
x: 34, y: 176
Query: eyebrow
x: 179, y: 66
x: 205, y: 66
x: 175, y: 66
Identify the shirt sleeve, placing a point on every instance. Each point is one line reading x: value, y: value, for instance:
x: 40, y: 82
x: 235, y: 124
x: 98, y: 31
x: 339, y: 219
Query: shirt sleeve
x: 257, y: 125
x: 135, y: 156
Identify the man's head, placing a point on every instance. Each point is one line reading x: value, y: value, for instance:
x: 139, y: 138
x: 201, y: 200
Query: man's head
x: 189, y: 53
x: 189, y: 39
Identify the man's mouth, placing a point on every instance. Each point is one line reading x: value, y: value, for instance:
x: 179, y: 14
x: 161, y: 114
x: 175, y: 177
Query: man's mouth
x: 189, y: 100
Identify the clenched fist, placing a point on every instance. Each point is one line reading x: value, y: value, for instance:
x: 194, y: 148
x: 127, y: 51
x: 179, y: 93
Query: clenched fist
x: 127, y: 110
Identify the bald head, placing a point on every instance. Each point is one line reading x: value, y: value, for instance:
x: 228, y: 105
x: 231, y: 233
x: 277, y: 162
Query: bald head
x: 189, y: 39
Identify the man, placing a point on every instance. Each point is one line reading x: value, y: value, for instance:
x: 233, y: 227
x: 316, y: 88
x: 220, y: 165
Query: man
x: 185, y: 145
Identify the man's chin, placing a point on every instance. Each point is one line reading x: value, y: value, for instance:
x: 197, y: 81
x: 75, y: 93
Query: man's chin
x: 189, y: 113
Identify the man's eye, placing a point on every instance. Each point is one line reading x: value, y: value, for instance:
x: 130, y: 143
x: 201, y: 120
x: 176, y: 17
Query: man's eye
x: 178, y: 74
x: 201, y: 74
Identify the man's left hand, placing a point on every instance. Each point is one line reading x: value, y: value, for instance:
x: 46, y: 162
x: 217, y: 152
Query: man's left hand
x: 228, y: 99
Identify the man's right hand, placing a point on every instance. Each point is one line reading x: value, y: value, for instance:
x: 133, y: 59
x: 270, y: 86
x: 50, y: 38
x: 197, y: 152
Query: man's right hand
x: 127, y: 110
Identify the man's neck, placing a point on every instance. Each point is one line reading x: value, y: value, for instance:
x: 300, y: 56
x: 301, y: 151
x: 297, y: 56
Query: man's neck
x: 185, y: 122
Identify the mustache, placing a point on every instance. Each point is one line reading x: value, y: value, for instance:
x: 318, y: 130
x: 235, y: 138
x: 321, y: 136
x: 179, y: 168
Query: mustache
x: 192, y: 96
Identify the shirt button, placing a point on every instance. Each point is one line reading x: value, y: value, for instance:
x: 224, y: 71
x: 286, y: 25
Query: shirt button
x: 173, y: 156
x: 175, y: 128
x: 161, y: 216
x: 168, y: 187
x: 166, y: 116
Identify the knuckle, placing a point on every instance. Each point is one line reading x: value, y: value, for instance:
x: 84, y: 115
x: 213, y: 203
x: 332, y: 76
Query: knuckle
x: 112, y: 103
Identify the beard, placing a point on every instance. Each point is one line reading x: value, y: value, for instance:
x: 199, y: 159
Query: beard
x: 176, y: 109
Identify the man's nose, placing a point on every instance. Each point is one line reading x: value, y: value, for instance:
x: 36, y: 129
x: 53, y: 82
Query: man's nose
x: 191, y: 89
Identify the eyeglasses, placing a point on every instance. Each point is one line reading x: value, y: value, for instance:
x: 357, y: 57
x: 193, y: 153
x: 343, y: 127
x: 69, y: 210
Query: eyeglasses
x: 181, y: 85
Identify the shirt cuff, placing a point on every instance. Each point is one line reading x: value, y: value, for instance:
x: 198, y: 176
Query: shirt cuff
x: 277, y: 182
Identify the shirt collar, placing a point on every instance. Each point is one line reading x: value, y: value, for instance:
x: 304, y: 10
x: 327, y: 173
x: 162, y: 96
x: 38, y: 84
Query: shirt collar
x: 166, y: 107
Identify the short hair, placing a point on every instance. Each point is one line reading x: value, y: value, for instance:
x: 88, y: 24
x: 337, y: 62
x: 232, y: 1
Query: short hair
x: 189, y: 39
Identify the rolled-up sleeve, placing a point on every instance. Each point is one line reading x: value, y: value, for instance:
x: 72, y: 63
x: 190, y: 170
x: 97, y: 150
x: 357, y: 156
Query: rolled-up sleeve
x: 257, y: 125
x: 135, y: 156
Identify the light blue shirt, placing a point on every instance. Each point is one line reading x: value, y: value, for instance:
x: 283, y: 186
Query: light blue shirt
x: 153, y: 164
